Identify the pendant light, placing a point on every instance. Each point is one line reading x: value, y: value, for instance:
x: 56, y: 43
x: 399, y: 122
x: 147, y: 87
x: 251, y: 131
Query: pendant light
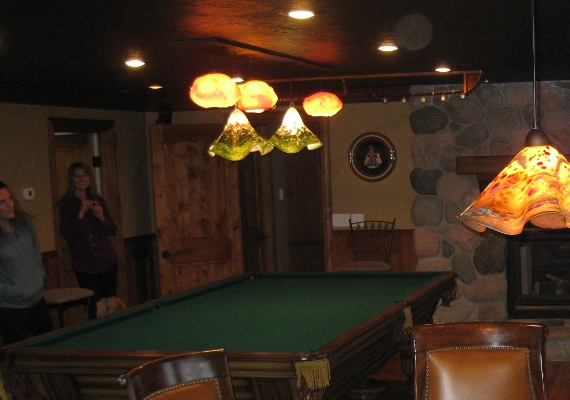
x: 322, y: 104
x: 238, y: 139
x: 214, y: 90
x: 256, y: 96
x: 293, y: 136
x: 534, y: 187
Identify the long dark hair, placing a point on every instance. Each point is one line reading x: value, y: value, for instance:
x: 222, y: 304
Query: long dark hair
x: 21, y: 217
x: 70, y: 193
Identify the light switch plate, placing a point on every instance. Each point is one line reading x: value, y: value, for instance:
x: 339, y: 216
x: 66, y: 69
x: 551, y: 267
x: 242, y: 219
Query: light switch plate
x: 29, y: 194
x: 340, y: 220
x: 357, y: 217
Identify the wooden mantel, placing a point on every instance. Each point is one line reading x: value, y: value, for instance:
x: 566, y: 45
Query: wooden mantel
x: 484, y: 167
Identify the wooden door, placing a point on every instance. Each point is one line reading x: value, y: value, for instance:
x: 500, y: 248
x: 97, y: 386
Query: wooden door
x: 284, y: 206
x: 197, y: 208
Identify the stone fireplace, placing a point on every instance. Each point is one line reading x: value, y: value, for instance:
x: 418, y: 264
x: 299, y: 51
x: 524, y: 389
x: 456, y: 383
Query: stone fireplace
x: 538, y: 274
x: 486, y: 129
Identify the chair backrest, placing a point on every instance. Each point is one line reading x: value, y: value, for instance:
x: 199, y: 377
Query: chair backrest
x: 478, y: 360
x: 198, y: 375
x: 372, y: 240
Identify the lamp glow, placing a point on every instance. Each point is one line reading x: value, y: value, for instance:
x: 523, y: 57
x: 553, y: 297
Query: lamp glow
x: 534, y: 187
x: 322, y: 104
x: 256, y: 96
x: 238, y: 139
x: 293, y: 135
x: 214, y: 90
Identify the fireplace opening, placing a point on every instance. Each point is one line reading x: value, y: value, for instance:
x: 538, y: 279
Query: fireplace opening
x: 538, y: 274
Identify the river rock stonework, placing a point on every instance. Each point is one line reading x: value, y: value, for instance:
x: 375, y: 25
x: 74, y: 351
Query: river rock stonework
x: 492, y: 120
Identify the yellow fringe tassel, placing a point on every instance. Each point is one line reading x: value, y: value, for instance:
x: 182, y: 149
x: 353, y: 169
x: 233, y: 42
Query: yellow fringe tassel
x: 409, y: 320
x: 316, y: 373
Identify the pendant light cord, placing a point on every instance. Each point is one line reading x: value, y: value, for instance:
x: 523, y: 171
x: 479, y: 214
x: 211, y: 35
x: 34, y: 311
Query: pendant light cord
x: 534, y: 66
x: 291, y: 86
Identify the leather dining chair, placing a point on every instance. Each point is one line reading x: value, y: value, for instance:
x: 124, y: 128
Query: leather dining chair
x: 478, y: 360
x: 198, y: 375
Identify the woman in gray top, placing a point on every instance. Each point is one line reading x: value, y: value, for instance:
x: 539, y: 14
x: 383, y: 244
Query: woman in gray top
x: 23, y: 310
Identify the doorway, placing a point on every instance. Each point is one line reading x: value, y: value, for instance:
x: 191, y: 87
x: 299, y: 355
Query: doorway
x: 286, y: 205
x: 93, y: 142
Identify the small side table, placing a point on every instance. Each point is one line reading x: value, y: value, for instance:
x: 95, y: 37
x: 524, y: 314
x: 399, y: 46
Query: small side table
x: 65, y: 298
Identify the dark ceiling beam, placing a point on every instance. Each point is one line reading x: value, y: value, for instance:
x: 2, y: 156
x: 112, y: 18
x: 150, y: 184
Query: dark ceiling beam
x: 250, y: 47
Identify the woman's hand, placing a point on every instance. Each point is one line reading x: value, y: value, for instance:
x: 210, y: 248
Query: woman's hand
x: 98, y: 210
x: 93, y: 205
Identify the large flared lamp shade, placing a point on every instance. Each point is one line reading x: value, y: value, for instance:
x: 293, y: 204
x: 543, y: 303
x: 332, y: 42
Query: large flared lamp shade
x: 256, y: 96
x: 534, y: 187
x: 293, y: 135
x: 239, y: 139
x: 215, y: 90
x: 322, y: 104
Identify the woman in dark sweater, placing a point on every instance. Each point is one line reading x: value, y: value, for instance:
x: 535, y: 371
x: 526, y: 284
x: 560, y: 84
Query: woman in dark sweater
x: 23, y: 309
x: 86, y: 225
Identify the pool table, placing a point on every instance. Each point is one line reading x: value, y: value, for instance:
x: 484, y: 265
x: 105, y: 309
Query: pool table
x: 288, y: 336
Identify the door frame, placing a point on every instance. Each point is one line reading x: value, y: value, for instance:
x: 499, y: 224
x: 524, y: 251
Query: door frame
x: 109, y: 182
x: 326, y: 185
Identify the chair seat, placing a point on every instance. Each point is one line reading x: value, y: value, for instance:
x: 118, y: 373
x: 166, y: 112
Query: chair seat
x: 65, y: 295
x: 366, y: 265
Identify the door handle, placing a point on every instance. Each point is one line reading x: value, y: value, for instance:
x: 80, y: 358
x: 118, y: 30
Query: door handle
x: 165, y: 254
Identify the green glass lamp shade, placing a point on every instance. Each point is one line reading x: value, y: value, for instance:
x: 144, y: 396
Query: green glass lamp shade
x: 534, y: 187
x: 239, y: 139
x: 293, y: 135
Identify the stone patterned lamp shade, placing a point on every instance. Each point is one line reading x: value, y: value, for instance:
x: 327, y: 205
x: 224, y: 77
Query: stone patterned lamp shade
x: 293, y: 135
x: 534, y: 187
x: 256, y: 96
x: 239, y: 139
x: 322, y: 104
x: 215, y: 91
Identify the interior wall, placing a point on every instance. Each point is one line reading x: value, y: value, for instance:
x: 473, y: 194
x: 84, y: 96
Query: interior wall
x: 385, y: 199
x: 24, y: 157
x: 391, y: 197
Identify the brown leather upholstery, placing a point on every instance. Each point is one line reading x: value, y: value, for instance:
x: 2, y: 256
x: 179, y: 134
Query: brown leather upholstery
x: 198, y: 375
x: 478, y: 360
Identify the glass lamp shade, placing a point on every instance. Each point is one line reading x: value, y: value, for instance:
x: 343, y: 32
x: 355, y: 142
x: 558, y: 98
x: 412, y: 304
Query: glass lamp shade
x: 215, y: 90
x: 322, y: 104
x: 534, y: 187
x: 293, y: 135
x: 239, y: 139
x: 256, y: 96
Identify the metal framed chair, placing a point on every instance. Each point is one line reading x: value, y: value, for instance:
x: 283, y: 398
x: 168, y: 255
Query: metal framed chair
x: 372, y: 243
x: 198, y: 375
x: 478, y: 360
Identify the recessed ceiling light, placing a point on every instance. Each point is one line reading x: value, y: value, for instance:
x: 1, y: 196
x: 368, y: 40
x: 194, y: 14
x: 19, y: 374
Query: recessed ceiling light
x: 388, y: 47
x: 301, y: 14
x: 443, y: 67
x: 134, y: 62
x: 155, y: 87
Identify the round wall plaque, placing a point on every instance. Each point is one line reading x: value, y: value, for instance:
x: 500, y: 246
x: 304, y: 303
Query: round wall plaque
x: 372, y: 156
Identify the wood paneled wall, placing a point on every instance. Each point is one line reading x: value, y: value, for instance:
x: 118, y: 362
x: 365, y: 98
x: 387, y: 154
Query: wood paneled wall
x: 403, y: 257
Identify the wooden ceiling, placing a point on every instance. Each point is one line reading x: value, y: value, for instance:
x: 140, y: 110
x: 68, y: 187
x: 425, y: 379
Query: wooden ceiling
x: 72, y: 53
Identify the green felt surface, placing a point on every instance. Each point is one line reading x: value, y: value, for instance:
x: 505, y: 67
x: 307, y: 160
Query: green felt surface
x: 270, y: 313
